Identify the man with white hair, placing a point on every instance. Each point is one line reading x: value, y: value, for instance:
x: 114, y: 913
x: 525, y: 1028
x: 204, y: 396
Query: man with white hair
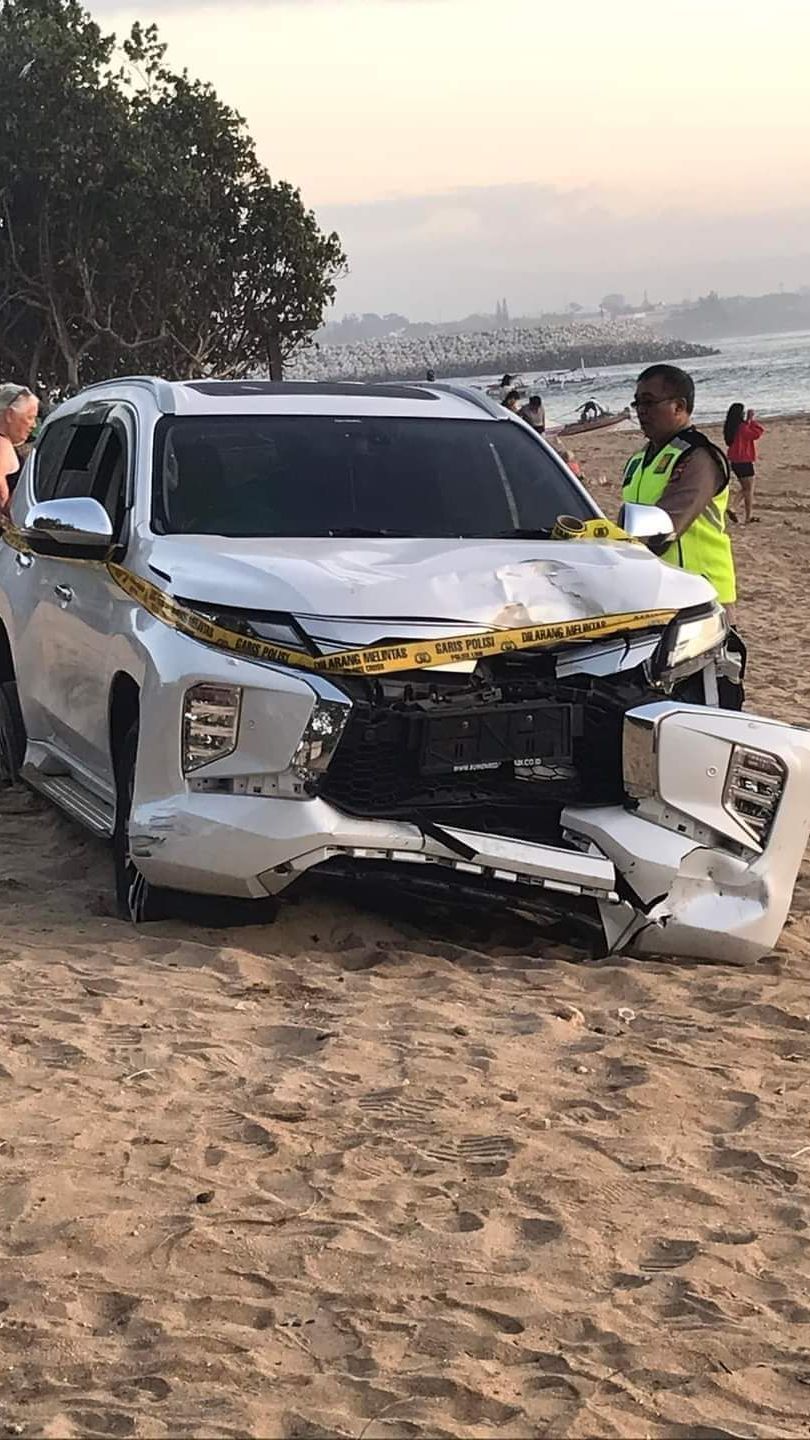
x: 18, y: 416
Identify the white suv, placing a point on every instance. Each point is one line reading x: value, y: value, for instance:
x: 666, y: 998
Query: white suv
x: 250, y: 631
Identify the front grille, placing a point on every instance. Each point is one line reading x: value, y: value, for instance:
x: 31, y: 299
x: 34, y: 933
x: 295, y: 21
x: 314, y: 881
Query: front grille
x: 386, y: 765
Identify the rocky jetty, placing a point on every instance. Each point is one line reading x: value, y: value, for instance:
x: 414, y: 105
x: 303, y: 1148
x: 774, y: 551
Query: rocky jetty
x: 559, y: 347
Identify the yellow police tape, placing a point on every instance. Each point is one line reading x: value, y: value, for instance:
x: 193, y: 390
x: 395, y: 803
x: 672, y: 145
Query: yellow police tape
x: 374, y: 660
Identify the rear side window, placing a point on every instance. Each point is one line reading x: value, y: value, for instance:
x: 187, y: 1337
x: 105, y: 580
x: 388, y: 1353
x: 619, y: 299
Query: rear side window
x: 50, y: 452
x: 83, y: 460
x: 75, y: 479
x: 308, y: 476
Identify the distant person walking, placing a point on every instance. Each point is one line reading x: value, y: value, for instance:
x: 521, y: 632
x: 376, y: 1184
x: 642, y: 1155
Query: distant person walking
x: 18, y: 416
x: 681, y: 471
x: 741, y: 432
x: 534, y: 414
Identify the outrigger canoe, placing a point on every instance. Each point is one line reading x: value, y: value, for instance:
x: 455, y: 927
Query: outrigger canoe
x: 582, y: 427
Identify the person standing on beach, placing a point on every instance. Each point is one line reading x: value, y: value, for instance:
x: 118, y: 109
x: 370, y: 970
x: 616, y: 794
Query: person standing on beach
x: 686, y: 475
x: 18, y: 416
x: 534, y: 414
x: 741, y: 432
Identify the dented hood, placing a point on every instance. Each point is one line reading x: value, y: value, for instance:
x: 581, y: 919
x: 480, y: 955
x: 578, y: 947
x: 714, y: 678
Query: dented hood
x: 411, y: 583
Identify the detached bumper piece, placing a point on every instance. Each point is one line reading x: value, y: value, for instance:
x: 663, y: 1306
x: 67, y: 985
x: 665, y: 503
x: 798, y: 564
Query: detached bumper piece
x: 709, y: 854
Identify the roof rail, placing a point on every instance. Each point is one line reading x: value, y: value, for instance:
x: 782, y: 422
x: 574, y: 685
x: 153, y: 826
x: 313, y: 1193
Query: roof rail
x: 160, y: 390
x: 468, y: 392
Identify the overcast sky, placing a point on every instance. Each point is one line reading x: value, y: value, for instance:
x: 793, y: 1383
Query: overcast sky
x: 467, y: 150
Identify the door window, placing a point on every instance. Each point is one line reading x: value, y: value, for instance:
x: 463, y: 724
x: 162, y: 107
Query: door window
x: 92, y: 464
x: 50, y: 452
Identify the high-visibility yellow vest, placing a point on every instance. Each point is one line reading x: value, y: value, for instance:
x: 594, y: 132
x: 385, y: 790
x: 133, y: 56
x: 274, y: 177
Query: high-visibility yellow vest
x: 705, y: 547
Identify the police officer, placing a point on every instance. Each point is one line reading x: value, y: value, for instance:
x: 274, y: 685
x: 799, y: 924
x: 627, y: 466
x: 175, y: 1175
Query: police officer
x: 685, y: 474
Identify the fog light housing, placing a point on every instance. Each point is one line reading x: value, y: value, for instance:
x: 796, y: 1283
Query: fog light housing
x: 320, y: 739
x: 639, y: 759
x: 753, y: 790
x: 210, y: 724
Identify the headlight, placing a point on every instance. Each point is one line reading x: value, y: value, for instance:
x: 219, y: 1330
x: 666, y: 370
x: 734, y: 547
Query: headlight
x: 210, y: 724
x: 753, y: 790
x: 687, y: 640
x: 320, y: 738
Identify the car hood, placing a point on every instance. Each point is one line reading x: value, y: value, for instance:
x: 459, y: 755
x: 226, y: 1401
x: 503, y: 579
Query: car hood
x: 414, y: 583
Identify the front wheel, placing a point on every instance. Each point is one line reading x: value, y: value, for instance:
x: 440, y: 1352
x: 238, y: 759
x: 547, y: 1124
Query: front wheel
x: 138, y: 901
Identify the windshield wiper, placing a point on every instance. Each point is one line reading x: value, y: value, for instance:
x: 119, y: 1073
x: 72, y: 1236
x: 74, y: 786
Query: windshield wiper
x: 361, y: 532
x: 542, y: 533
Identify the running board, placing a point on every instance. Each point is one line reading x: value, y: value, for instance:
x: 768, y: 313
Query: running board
x: 75, y: 799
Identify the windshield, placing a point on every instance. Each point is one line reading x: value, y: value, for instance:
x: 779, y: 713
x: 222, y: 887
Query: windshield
x: 296, y: 475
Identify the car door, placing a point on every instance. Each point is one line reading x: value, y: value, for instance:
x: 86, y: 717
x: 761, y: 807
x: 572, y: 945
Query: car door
x: 28, y: 580
x: 71, y: 648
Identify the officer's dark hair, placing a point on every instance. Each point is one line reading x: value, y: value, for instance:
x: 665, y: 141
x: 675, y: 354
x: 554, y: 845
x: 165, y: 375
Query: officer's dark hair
x: 680, y: 385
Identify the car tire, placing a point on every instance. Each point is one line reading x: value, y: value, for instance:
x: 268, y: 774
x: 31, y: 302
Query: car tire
x: 12, y: 736
x: 137, y: 900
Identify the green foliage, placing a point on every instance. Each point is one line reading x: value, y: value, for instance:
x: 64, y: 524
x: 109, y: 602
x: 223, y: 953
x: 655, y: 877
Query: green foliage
x: 138, y: 229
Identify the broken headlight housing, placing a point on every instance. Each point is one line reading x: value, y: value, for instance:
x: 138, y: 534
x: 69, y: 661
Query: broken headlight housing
x: 210, y: 724
x: 320, y: 739
x: 687, y: 641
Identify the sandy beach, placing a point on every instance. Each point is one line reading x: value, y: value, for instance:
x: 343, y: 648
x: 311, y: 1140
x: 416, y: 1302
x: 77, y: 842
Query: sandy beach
x: 365, y: 1177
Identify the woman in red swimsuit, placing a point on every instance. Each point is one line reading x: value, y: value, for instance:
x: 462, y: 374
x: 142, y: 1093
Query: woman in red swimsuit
x: 741, y: 432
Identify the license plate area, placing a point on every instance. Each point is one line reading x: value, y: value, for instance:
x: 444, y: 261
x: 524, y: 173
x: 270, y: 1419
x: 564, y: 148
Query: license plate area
x: 471, y: 741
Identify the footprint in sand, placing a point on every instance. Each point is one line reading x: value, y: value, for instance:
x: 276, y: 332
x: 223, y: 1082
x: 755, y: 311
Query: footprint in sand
x: 749, y: 1165
x: 539, y: 1231
x: 735, y: 1111
x: 397, y: 1105
x: 242, y: 1130
x: 293, y: 1042
x: 670, y: 1254
x: 115, y: 1424
x: 492, y: 1152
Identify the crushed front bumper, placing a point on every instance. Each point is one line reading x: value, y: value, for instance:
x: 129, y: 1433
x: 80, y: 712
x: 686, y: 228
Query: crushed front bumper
x: 701, y: 862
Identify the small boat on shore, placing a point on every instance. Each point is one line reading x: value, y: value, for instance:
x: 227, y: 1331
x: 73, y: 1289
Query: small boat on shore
x: 604, y: 421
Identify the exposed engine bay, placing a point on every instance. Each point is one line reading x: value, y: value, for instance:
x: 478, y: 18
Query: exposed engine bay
x: 502, y: 750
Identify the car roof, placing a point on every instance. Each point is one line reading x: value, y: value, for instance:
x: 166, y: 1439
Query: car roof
x: 265, y: 397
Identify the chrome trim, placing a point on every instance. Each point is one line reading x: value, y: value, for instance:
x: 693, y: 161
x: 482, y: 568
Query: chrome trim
x: 80, y: 521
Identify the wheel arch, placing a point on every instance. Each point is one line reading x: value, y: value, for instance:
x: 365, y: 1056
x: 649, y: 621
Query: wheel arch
x: 7, y: 671
x: 124, y: 711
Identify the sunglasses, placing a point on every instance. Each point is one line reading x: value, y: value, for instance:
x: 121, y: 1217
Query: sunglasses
x: 648, y: 402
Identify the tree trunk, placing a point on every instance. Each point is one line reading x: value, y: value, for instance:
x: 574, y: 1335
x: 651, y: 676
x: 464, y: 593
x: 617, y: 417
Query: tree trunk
x: 33, y: 366
x: 275, y: 364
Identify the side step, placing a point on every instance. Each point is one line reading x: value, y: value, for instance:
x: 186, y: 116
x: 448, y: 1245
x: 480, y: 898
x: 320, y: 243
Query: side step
x: 75, y: 799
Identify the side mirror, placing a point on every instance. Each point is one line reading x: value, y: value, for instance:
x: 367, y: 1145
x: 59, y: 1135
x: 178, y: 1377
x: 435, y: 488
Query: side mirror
x: 70, y: 527
x: 646, y: 522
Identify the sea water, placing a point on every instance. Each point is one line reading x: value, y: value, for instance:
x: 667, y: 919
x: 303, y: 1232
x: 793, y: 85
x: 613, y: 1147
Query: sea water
x: 766, y: 373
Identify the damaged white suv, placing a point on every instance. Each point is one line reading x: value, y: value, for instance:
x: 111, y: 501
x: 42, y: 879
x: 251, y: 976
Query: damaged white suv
x: 252, y: 632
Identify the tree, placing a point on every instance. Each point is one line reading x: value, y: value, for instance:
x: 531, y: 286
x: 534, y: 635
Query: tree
x: 283, y: 284
x: 614, y: 305
x: 137, y: 227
